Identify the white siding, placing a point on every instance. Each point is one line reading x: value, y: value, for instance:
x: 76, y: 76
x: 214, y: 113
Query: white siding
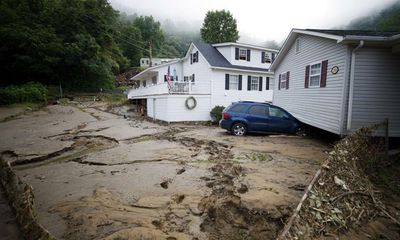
x: 255, y: 57
x: 223, y: 97
x: 319, y: 107
x: 164, y: 70
x: 172, y: 108
x: 376, y: 89
x: 202, y: 72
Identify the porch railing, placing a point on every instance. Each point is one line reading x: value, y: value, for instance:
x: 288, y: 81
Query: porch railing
x: 162, y: 88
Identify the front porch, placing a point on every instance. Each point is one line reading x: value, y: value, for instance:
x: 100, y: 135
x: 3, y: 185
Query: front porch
x: 180, y: 88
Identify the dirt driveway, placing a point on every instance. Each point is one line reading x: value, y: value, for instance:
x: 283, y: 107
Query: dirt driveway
x: 99, y: 175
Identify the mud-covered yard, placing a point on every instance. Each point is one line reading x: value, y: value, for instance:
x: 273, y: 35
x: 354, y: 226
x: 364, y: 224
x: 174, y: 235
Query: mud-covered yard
x: 104, y: 173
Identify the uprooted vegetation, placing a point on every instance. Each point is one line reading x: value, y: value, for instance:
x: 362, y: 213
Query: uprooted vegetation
x: 343, y: 197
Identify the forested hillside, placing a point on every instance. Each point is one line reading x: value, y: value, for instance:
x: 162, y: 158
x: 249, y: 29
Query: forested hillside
x: 385, y: 20
x: 80, y: 44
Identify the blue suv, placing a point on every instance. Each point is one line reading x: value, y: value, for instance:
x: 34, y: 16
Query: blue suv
x: 243, y: 117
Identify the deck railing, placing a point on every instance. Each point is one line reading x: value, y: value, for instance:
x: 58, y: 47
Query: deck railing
x: 162, y: 88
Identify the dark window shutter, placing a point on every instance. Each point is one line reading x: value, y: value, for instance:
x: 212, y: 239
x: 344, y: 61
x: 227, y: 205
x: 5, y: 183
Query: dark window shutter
x: 176, y: 78
x: 226, y: 81
x: 279, y: 83
x: 260, y: 84
x: 165, y: 78
x: 191, y: 58
x: 240, y: 82
x: 307, y: 76
x: 248, y: 55
x: 197, y: 56
x: 272, y: 57
x: 237, y: 53
x: 193, y: 77
x: 267, y: 83
x: 287, y: 80
x: 262, y: 57
x: 248, y: 83
x: 324, y: 72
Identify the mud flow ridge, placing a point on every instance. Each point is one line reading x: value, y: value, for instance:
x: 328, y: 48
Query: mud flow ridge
x: 227, y: 218
x: 82, y: 145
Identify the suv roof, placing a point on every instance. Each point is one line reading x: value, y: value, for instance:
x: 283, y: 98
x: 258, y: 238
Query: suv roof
x: 252, y: 102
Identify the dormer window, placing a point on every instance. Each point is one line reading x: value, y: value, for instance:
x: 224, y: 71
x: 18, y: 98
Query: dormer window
x: 265, y: 57
x: 242, y: 54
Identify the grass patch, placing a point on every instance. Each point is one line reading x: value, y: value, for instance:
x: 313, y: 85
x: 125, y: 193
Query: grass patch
x: 114, y: 99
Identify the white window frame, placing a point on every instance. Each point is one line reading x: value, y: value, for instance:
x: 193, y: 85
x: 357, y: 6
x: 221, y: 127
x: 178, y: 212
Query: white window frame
x: 281, y: 86
x: 314, y: 75
x: 298, y: 45
x: 233, y: 82
x: 254, y: 83
x: 240, y: 54
x: 267, y: 57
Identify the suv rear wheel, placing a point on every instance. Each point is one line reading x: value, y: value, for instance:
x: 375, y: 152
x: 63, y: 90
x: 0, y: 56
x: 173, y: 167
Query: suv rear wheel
x: 239, y: 129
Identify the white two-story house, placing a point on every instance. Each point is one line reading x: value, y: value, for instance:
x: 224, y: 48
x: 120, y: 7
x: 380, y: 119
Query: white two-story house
x: 208, y: 75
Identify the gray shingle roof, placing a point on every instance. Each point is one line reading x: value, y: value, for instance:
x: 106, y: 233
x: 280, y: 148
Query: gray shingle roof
x: 344, y: 33
x: 216, y: 59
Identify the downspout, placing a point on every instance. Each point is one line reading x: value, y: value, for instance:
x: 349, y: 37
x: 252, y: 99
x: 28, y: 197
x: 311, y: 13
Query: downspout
x: 351, y: 89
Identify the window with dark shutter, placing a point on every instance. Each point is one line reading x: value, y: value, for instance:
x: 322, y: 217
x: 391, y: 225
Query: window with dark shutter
x: 165, y: 78
x: 287, y: 80
x: 248, y: 83
x: 237, y: 53
x: 226, y: 81
x: 307, y: 76
x: 267, y: 83
x: 248, y: 55
x: 191, y: 58
x: 193, y: 78
x: 240, y: 83
x: 324, y: 73
x: 262, y: 57
x: 260, y: 84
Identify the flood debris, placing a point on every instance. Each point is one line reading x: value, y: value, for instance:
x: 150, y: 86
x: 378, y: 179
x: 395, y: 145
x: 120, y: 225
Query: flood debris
x: 343, y: 197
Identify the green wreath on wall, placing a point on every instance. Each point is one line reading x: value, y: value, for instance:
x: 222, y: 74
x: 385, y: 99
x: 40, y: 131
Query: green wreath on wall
x: 190, y: 103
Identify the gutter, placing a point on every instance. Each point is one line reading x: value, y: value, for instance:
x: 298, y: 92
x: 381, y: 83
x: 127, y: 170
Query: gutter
x: 351, y: 89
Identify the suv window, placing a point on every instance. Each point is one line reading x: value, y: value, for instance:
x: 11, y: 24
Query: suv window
x: 237, y: 108
x: 276, y: 112
x: 258, y: 110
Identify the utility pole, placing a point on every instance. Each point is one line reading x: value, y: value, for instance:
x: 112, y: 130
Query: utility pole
x: 150, y: 53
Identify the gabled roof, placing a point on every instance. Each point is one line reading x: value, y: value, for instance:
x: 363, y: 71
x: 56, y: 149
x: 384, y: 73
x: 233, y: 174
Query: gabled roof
x: 340, y: 36
x: 217, y: 60
x: 344, y: 33
x: 244, y: 45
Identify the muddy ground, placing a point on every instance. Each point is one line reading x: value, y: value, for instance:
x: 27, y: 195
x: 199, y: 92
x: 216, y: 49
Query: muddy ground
x: 98, y: 174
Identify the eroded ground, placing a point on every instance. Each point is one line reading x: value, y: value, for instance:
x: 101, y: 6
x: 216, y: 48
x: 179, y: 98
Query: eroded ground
x: 98, y: 174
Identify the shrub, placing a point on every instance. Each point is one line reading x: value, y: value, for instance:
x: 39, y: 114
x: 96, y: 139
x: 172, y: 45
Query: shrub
x: 216, y: 113
x: 29, y: 92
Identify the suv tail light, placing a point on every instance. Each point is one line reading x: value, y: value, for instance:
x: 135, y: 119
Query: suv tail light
x: 225, y: 115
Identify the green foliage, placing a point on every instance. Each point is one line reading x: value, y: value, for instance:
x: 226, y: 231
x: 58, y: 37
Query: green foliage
x: 386, y: 20
x: 152, y: 34
x: 52, y: 42
x: 218, y: 27
x: 216, y: 113
x: 29, y: 92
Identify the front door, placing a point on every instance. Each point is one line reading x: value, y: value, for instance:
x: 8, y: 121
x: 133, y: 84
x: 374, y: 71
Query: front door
x: 257, y: 118
x: 279, y: 121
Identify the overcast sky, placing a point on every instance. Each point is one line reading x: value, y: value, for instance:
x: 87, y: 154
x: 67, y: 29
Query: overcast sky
x: 259, y: 19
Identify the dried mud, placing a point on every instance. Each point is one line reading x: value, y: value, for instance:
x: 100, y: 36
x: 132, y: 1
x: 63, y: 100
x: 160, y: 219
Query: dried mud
x: 111, y: 177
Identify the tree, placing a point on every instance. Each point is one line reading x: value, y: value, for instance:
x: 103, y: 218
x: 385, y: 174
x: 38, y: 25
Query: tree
x: 218, y: 27
x: 152, y: 35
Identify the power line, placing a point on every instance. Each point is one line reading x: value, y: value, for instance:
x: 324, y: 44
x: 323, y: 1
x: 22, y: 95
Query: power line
x: 133, y: 44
